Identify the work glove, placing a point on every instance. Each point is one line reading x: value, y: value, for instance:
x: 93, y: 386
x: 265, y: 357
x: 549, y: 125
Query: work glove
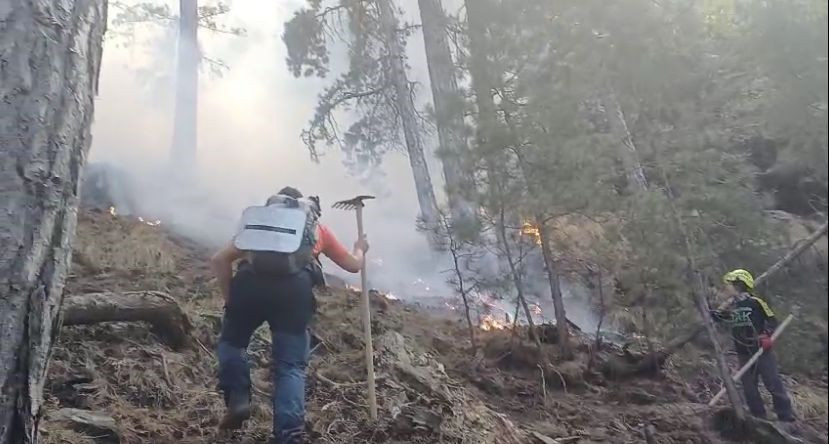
x: 766, y: 342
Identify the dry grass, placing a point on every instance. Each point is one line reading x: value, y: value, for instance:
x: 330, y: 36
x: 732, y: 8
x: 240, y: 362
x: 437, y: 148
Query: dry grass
x: 57, y: 434
x: 809, y: 404
x: 116, y: 244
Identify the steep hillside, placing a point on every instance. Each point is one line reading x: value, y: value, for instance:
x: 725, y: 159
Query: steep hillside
x: 133, y: 386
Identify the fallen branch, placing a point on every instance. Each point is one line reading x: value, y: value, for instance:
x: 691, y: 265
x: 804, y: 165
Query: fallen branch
x: 156, y: 308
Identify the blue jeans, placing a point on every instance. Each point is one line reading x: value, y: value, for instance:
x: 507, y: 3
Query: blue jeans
x: 285, y: 304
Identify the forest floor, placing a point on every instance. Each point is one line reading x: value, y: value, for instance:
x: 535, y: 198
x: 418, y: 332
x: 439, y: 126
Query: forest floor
x: 431, y: 384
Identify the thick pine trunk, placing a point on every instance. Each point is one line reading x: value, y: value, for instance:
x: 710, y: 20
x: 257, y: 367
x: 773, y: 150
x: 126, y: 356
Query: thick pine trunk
x: 50, y: 54
x: 183, y: 149
x: 627, y: 149
x: 408, y: 116
x: 449, y: 108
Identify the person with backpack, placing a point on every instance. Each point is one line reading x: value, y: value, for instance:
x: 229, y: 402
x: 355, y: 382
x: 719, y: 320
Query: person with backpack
x: 277, y: 249
x: 752, y: 324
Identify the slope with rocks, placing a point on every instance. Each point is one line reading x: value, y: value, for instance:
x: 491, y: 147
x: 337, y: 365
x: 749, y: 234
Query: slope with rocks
x: 122, y: 382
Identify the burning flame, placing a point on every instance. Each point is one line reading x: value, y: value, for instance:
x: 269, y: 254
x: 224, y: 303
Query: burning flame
x: 152, y: 223
x: 536, y: 309
x: 528, y: 229
x: 391, y: 297
x: 489, y: 323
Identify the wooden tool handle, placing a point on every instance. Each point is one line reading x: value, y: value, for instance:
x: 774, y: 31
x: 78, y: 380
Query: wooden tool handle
x: 372, y: 395
x: 744, y: 369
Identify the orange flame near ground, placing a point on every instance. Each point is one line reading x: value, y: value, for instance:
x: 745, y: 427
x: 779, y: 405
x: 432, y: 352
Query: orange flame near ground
x: 528, y: 229
x: 489, y: 323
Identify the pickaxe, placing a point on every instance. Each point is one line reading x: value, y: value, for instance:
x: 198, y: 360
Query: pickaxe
x: 357, y: 204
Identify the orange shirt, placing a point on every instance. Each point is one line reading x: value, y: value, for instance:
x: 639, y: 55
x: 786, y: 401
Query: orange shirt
x: 328, y: 245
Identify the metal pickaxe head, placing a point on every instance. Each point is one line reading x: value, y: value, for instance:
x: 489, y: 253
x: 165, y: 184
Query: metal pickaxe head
x: 352, y: 204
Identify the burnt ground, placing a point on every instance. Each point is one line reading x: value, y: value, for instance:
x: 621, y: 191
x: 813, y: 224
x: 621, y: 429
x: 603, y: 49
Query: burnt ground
x: 433, y: 386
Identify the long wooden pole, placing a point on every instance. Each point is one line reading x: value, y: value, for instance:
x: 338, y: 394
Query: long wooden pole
x: 744, y: 369
x: 372, y: 396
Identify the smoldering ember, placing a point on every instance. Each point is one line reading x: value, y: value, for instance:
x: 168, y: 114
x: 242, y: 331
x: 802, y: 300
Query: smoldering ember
x: 400, y: 221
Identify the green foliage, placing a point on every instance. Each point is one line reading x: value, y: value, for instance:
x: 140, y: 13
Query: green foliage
x: 362, y: 95
x: 694, y: 81
x: 680, y: 74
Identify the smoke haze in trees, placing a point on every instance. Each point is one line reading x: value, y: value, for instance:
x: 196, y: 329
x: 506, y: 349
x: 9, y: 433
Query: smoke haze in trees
x: 249, y: 124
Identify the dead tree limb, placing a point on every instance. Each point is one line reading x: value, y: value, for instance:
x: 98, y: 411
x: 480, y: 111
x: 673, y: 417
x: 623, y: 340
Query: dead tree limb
x: 796, y: 251
x: 158, y: 309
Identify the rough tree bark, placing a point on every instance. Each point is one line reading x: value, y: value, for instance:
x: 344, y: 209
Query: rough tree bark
x: 627, y: 149
x: 50, y: 54
x: 183, y: 148
x: 449, y: 108
x: 158, y: 309
x: 408, y: 116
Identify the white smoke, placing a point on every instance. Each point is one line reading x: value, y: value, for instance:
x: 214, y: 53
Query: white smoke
x: 249, y: 122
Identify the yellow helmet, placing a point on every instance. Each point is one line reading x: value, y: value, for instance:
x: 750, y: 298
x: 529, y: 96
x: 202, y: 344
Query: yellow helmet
x: 739, y: 275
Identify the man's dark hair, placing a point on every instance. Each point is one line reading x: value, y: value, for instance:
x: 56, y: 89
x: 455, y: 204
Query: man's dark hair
x: 290, y: 192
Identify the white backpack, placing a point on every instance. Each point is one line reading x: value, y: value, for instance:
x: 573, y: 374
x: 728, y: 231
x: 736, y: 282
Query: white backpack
x: 280, y: 235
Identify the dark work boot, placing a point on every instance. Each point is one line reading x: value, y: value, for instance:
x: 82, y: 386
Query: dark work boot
x: 238, y: 410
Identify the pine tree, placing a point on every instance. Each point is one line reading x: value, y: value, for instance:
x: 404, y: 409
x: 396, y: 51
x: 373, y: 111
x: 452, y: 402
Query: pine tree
x: 375, y: 87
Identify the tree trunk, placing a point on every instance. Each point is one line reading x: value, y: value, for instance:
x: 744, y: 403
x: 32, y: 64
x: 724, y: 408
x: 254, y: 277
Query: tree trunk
x: 516, y: 279
x: 627, y: 149
x: 408, y: 116
x: 157, y: 309
x: 50, y: 54
x: 482, y: 86
x: 449, y: 109
x: 555, y: 291
x: 695, y: 280
x: 183, y: 149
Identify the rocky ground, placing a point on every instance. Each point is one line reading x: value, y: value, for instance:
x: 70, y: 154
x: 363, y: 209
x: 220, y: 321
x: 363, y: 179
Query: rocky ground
x: 126, y: 382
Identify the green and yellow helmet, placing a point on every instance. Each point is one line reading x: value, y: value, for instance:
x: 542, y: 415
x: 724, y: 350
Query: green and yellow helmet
x: 739, y: 275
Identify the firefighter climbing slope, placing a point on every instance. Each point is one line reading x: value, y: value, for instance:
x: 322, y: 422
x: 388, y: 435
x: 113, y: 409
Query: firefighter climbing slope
x: 752, y: 323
